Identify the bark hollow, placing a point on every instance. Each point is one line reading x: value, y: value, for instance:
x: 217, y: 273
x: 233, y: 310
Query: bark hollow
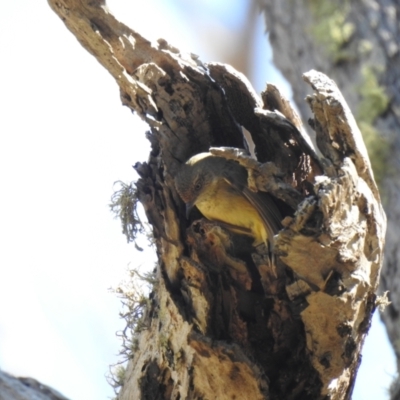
x: 222, y: 322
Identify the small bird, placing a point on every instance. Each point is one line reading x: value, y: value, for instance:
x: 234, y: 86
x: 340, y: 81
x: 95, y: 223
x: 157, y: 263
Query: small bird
x: 218, y: 188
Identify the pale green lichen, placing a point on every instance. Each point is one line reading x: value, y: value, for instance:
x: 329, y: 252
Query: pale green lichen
x: 378, y: 150
x: 135, y: 303
x: 163, y: 341
x: 116, y: 377
x: 364, y: 47
x: 374, y: 102
x: 382, y: 301
x: 123, y: 204
x: 331, y: 28
x: 333, y: 31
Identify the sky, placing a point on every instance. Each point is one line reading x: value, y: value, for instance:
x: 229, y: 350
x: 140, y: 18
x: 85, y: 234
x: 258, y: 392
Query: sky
x: 64, y: 140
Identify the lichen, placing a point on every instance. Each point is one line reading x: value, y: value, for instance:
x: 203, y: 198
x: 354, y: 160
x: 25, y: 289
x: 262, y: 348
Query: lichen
x: 163, y: 341
x: 364, y: 47
x: 124, y: 204
x: 331, y: 28
x: 333, y: 31
x: 116, y: 378
x: 135, y: 303
x: 374, y: 102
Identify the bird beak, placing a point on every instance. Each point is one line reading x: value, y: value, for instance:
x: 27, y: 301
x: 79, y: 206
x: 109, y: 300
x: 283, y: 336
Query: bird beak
x: 189, y: 207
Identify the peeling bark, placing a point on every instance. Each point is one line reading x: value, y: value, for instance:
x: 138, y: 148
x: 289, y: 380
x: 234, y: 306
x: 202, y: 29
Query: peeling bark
x: 223, y: 323
x: 357, y: 44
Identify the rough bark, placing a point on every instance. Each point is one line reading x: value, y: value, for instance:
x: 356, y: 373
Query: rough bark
x: 223, y: 322
x: 12, y: 388
x: 357, y: 44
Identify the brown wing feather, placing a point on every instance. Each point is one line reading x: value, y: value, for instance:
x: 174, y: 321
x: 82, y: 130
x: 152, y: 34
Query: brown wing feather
x: 236, y: 176
x: 269, y: 212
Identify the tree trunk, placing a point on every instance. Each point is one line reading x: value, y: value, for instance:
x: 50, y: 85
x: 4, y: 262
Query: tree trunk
x: 223, y: 321
x: 357, y: 44
x: 13, y: 388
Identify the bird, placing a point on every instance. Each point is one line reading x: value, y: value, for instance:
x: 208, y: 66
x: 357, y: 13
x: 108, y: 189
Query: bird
x: 218, y: 188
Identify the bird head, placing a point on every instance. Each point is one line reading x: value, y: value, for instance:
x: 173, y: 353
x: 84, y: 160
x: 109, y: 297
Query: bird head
x: 193, y: 178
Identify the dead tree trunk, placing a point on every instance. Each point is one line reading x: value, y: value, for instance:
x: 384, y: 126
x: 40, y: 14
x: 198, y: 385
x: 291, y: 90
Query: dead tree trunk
x: 222, y: 323
x: 357, y: 44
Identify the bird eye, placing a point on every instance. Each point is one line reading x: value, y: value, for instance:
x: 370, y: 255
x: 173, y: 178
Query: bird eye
x: 197, y: 186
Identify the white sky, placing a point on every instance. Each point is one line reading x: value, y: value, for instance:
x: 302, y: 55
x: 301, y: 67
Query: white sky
x: 64, y: 140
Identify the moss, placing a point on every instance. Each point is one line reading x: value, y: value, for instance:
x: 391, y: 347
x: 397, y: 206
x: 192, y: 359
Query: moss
x: 331, y: 29
x: 374, y: 102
